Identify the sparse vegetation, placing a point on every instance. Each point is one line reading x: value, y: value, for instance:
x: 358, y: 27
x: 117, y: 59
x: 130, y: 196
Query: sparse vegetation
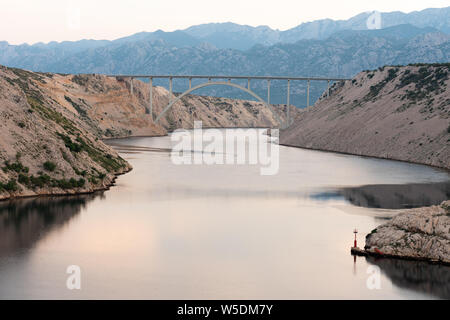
x: 375, y: 90
x: 17, y: 167
x: 80, y: 173
x: 72, y: 146
x: 76, y: 106
x: 80, y: 80
x: 427, y: 80
x: 49, y: 166
x: 105, y: 160
x: 10, y: 186
x: 24, y: 179
x: 70, y: 184
x: 40, y: 181
x: 44, y: 180
x: 446, y: 208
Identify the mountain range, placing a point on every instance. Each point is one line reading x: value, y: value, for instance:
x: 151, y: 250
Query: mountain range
x: 325, y: 48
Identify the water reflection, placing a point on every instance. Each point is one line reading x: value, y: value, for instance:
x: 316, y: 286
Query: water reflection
x: 416, y: 275
x: 23, y: 222
x: 205, y: 232
x: 392, y: 196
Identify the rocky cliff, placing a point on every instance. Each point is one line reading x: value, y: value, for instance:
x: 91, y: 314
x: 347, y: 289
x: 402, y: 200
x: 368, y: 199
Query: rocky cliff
x: 400, y: 113
x: 44, y: 147
x: 422, y: 234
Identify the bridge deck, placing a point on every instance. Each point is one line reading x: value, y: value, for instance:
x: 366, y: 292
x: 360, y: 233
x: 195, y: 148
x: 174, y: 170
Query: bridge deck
x: 226, y: 77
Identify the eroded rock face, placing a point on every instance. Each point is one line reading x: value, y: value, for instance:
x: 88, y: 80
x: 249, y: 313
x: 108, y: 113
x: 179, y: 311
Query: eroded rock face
x: 45, y: 149
x: 400, y: 113
x: 422, y: 233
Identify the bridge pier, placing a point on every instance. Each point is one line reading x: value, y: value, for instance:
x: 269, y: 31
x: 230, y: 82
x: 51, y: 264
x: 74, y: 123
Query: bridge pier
x: 170, y: 89
x: 307, y: 94
x: 131, y: 86
x: 151, y: 99
x: 288, y: 111
x: 328, y: 88
x: 268, y: 91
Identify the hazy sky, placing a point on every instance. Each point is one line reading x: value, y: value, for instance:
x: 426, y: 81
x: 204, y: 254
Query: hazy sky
x: 46, y: 20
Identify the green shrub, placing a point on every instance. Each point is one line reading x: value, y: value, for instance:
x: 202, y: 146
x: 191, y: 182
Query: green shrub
x: 49, y: 166
x: 93, y: 180
x: 40, y: 181
x: 76, y: 106
x: 74, y: 147
x: 16, y: 167
x: 70, y: 184
x: 80, y: 173
x: 81, y: 182
x: 24, y: 179
x: 10, y: 186
x: 446, y: 208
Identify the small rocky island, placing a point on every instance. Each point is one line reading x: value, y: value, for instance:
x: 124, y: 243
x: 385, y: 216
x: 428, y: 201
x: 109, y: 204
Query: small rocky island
x: 418, y: 234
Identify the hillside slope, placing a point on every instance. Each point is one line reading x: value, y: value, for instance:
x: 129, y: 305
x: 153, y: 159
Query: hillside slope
x: 43, y: 147
x: 400, y: 113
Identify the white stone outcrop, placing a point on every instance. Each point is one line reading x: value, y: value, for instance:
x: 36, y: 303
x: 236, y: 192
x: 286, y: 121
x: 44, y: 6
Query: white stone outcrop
x: 422, y: 233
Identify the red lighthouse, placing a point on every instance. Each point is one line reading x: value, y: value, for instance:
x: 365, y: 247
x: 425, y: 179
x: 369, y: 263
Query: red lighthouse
x: 355, y: 232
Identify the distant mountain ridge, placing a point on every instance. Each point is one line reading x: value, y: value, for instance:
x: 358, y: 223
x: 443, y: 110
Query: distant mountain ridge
x: 321, y: 48
x: 242, y: 37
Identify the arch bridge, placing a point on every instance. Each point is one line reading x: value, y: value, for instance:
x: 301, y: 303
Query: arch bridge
x: 227, y: 81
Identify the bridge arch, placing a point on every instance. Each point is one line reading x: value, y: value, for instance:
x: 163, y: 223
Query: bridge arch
x: 219, y: 83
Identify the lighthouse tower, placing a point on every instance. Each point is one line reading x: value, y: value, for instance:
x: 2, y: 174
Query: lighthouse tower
x: 356, y: 242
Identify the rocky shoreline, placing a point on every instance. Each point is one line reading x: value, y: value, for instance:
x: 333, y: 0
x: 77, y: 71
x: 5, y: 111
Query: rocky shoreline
x: 421, y: 234
x: 107, y: 183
